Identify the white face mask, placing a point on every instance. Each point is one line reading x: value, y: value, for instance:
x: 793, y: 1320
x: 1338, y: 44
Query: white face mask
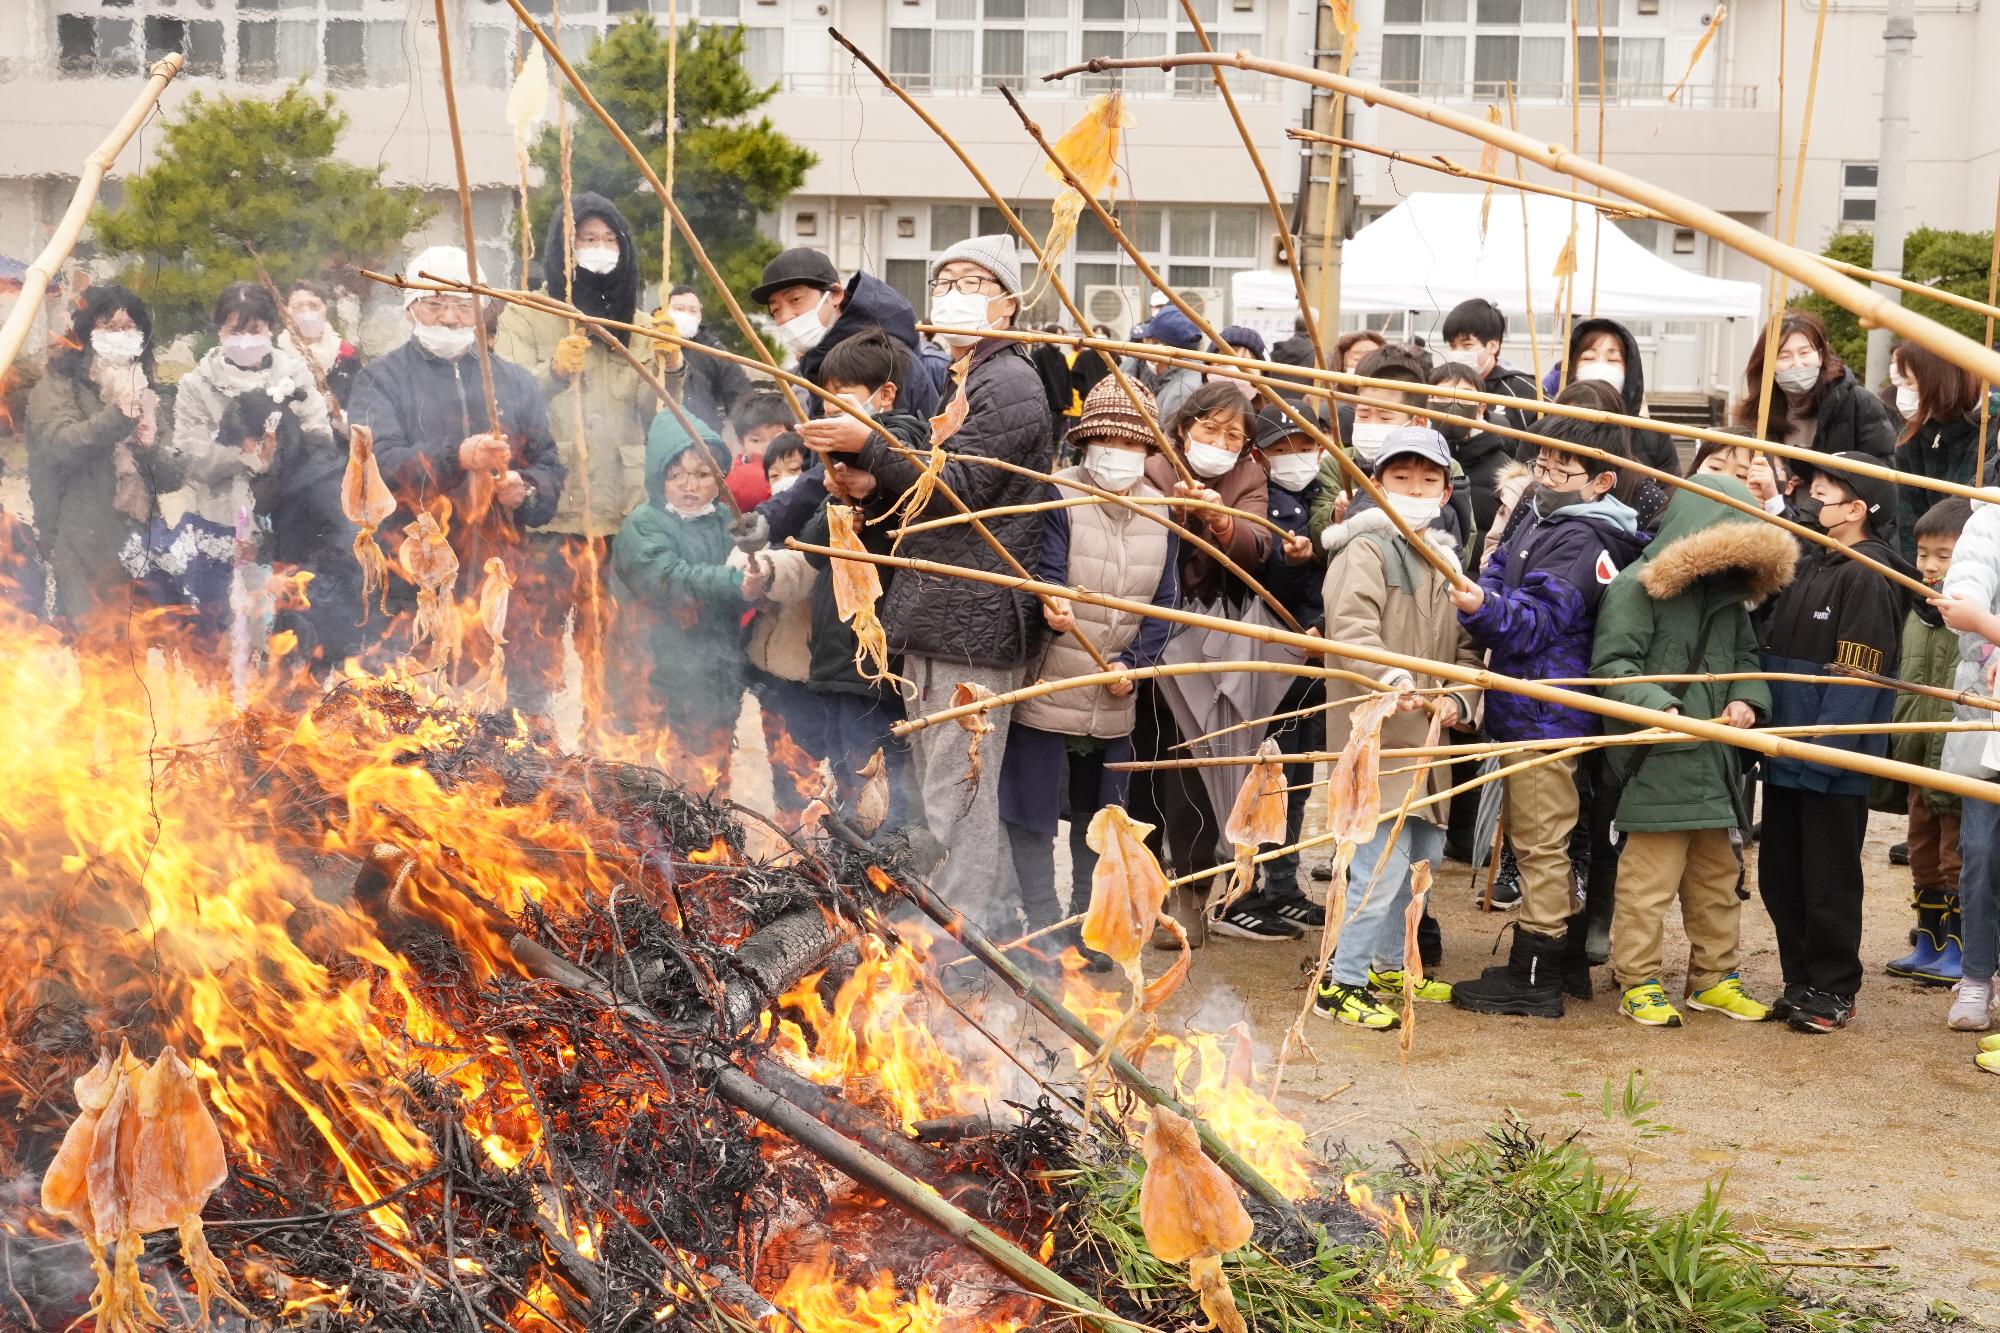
x: 1114, y: 469
x: 117, y: 346
x: 311, y: 324
x: 702, y: 512
x: 1798, y: 379
x: 1907, y: 400
x: 1294, y: 472
x: 1367, y: 438
x: 685, y: 324
x: 860, y: 402
x: 960, y: 310
x: 246, y: 350
x: 1602, y: 371
x: 779, y: 485
x: 1418, y: 513
x: 802, y: 332
x: 1466, y: 356
x: 1209, y: 460
x: 442, y: 340
x: 598, y: 259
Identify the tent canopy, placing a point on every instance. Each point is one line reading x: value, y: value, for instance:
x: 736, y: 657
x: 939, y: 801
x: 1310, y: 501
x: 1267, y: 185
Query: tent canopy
x: 1426, y: 254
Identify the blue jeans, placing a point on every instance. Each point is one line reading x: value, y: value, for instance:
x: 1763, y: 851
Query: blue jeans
x: 1979, y: 887
x: 1296, y: 735
x: 1371, y: 929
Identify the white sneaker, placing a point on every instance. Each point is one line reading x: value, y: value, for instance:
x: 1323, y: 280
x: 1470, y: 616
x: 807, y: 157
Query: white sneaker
x: 1971, y: 1006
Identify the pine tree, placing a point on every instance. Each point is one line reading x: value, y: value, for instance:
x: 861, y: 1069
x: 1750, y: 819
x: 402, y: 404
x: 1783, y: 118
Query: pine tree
x: 251, y: 173
x: 1954, y: 261
x: 729, y: 168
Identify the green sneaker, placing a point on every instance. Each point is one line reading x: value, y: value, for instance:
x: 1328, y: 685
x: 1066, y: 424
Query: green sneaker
x: 1647, y: 1003
x: 1988, y: 1061
x: 1390, y: 983
x: 1354, y: 1005
x: 1990, y: 1044
x: 1728, y: 998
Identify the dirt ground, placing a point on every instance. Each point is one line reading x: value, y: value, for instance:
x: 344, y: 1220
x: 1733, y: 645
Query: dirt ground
x: 1880, y: 1135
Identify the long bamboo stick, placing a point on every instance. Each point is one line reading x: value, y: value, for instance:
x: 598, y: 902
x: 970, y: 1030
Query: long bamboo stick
x: 1020, y: 228
x: 1807, y: 269
x: 1700, y: 729
x: 1772, y: 309
x: 42, y: 270
x: 1986, y: 381
x: 1353, y: 471
x: 1527, y: 256
x: 480, y: 342
x: 1621, y: 208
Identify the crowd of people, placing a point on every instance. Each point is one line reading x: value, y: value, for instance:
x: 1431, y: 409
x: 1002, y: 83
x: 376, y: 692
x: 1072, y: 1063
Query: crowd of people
x: 637, y: 494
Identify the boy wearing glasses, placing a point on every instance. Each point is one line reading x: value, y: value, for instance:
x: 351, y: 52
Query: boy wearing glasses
x: 1534, y: 612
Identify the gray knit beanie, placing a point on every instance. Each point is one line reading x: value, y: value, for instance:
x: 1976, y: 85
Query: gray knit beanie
x: 996, y: 254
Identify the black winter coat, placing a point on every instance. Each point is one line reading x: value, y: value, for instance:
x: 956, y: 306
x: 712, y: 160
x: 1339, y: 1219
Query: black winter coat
x: 957, y: 619
x: 1850, y: 420
x: 1941, y: 450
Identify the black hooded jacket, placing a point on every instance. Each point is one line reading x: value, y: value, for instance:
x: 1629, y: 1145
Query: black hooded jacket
x: 873, y: 303
x: 613, y: 295
x: 1648, y: 446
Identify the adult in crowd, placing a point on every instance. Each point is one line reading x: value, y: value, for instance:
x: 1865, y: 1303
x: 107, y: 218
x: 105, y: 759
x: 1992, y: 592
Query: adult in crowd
x: 1473, y: 332
x: 1939, y: 404
x: 954, y: 631
x: 1170, y: 384
x: 1605, y: 351
x: 1062, y: 371
x: 1297, y: 350
x: 1354, y: 348
x: 713, y: 384
x: 813, y: 310
x: 98, y: 458
x: 1240, y: 340
x: 435, y: 443
x: 1818, y: 404
x: 309, y: 306
x: 208, y: 534
x: 598, y: 409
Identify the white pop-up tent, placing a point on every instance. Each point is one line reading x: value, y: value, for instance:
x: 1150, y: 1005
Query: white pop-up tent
x: 1427, y: 254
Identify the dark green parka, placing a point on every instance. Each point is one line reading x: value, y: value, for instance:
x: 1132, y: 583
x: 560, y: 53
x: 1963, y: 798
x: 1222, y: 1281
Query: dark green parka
x: 1706, y: 566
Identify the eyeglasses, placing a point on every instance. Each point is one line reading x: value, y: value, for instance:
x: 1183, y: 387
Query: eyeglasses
x: 1222, y: 427
x: 1551, y: 473
x: 439, y: 306
x: 971, y: 284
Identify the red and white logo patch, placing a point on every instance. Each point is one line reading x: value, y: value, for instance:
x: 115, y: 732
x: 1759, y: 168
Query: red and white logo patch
x: 1606, y: 571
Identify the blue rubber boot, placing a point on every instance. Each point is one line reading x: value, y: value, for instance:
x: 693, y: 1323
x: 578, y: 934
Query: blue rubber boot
x: 1931, y: 907
x: 1947, y: 969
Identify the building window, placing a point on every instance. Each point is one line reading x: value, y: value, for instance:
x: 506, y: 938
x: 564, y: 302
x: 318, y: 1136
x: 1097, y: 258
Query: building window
x: 967, y: 46
x: 1478, y: 49
x: 351, y: 42
x: 1857, y: 194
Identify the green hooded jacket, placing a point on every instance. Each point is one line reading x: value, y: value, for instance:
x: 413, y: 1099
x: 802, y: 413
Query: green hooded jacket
x: 1707, y: 565
x: 672, y: 580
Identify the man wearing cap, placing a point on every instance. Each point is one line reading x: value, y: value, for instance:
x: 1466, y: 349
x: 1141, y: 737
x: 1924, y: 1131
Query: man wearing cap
x: 953, y: 631
x: 426, y: 405
x: 813, y: 310
x: 1170, y: 384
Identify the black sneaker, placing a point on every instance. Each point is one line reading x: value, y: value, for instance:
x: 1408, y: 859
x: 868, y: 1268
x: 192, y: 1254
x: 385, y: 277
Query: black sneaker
x: 1254, y: 919
x: 1899, y: 855
x: 1821, y: 1012
x: 1323, y: 873
x: 1298, y: 910
x: 1787, y: 1004
x: 1506, y: 884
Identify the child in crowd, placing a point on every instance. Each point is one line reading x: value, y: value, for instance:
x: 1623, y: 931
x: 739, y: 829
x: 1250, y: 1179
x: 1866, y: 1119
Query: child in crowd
x: 1534, y: 611
x: 1682, y: 609
x: 779, y: 648
x: 671, y: 561
x: 1473, y: 332
x: 1930, y: 657
x: 758, y: 418
x: 1816, y: 818
x: 1059, y: 744
x: 1971, y: 606
x: 1379, y: 592
x: 1379, y: 412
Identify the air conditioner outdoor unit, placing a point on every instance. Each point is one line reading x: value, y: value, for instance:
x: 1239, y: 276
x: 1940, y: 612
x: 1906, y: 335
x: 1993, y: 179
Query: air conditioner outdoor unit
x: 1211, y: 303
x: 1117, y: 308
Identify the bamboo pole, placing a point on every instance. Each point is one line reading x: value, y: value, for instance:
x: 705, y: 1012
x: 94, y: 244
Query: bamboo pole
x: 1048, y: 270
x: 666, y: 199
x: 1270, y: 191
x: 1781, y: 282
x: 479, y: 338
x: 1430, y: 556
x: 1619, y: 208
x: 1527, y: 256
x: 42, y: 270
x: 1597, y: 234
x: 1964, y: 697
x: 1809, y: 270
x: 1698, y: 728
x: 1769, y: 333
x: 1986, y: 381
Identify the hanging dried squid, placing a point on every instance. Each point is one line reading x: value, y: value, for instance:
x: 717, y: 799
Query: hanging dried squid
x: 1128, y: 895
x: 857, y: 588
x: 1089, y: 148
x: 978, y: 726
x: 488, y: 689
x: 1256, y: 819
x: 429, y: 562
x: 1190, y: 1213
x: 366, y: 502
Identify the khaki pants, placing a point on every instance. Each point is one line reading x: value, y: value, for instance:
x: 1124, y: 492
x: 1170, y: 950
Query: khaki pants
x: 1934, y: 860
x: 1541, y: 811
x: 1698, y: 867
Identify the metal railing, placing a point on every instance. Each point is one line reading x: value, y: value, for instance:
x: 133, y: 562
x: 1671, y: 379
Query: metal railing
x: 1707, y: 97
x: 1151, y: 84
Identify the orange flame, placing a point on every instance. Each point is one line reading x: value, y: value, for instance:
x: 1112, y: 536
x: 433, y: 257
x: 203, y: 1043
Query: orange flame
x: 821, y: 1302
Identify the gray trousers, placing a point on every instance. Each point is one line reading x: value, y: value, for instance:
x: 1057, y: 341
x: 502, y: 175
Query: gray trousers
x: 977, y: 876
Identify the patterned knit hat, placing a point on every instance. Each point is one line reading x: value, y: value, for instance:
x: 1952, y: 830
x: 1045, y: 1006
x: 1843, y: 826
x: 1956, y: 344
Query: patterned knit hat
x: 1108, y: 415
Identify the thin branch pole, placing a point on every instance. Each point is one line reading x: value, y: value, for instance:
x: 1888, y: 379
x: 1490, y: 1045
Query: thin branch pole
x: 1780, y: 280
x: 1807, y: 269
x: 479, y: 339
x: 1771, y: 307
x: 42, y: 271
x: 1597, y: 234
x: 1699, y: 728
x: 1270, y: 191
x: 673, y: 141
x: 1428, y: 554
x: 1527, y: 255
x: 1986, y: 382
x: 666, y: 199
x: 1048, y: 270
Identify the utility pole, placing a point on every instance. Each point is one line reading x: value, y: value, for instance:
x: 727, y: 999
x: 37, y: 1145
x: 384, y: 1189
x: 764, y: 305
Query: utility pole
x: 1892, y: 170
x: 1323, y: 196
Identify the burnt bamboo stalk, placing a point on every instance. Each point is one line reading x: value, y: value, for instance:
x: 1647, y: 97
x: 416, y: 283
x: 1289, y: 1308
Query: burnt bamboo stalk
x: 1020, y: 228
x: 951, y: 497
x: 1965, y: 697
x: 1698, y: 728
x: 918, y: 1200
x: 1270, y: 191
x: 1348, y: 467
x: 1809, y: 270
x: 846, y: 1119
x: 665, y: 197
x: 479, y: 339
x: 41, y: 271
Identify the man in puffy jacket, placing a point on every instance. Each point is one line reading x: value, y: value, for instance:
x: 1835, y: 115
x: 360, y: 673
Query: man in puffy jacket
x: 953, y: 631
